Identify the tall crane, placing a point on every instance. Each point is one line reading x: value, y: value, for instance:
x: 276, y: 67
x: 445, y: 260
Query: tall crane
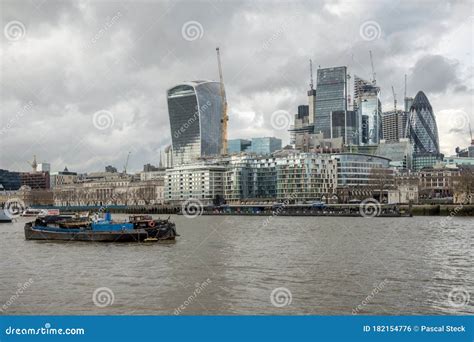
x: 372, y: 66
x: 405, y: 87
x: 470, y: 132
x: 126, y: 163
x: 311, y: 84
x: 224, y: 117
x: 33, y: 164
x: 394, y: 99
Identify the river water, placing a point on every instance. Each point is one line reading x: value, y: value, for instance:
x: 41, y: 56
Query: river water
x: 249, y: 265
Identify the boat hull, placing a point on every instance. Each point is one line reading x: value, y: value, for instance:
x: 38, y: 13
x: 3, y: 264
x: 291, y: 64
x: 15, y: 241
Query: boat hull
x: 42, y: 233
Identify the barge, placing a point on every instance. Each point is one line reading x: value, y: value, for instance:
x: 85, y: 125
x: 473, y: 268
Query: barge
x: 71, y: 228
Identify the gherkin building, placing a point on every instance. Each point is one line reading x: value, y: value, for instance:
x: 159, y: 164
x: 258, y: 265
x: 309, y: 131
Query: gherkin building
x: 423, y: 128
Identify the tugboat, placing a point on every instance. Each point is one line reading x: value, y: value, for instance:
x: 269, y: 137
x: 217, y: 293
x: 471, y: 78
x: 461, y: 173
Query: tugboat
x: 71, y: 228
x: 157, y: 229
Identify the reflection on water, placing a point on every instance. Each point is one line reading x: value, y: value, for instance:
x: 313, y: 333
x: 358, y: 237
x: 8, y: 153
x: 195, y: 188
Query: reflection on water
x: 249, y: 265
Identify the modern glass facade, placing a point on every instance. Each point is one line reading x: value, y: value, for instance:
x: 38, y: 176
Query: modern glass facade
x: 265, y: 145
x: 299, y: 177
x: 400, y: 153
x: 250, y: 177
x: 195, y: 119
x: 237, y: 145
x: 342, y: 121
x: 354, y: 170
x: 9, y: 180
x: 306, y: 177
x: 369, y: 105
x: 331, y: 95
x: 426, y: 160
x: 423, y: 129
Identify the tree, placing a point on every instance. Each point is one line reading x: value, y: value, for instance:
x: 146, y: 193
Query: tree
x: 463, y: 183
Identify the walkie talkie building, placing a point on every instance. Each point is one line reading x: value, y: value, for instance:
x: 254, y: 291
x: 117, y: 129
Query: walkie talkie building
x: 195, y: 110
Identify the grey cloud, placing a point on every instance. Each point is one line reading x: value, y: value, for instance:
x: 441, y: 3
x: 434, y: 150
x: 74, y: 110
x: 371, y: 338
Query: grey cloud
x: 435, y: 74
x: 76, y: 59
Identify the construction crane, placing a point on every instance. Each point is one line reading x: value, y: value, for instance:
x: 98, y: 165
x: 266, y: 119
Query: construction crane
x: 224, y: 117
x: 311, y: 84
x: 372, y: 66
x: 126, y: 163
x: 405, y: 87
x: 470, y: 132
x: 394, y: 99
x: 33, y: 164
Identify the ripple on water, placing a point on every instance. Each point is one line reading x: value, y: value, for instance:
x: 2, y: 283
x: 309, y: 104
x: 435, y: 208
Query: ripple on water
x: 329, y: 265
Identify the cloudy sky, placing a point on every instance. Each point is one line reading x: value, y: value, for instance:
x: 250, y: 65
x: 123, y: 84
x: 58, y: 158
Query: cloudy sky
x: 84, y: 82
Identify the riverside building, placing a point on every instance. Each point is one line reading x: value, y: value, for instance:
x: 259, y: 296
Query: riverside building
x: 305, y: 177
x: 203, y: 181
x: 284, y: 175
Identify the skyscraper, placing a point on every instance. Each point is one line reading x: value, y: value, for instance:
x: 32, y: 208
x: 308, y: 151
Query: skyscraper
x: 423, y: 129
x: 331, y: 95
x: 366, y: 96
x: 345, y: 124
x: 394, y: 125
x: 195, y: 119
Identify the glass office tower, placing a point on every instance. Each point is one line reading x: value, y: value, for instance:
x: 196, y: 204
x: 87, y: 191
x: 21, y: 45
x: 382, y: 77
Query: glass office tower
x: 195, y: 119
x: 265, y: 145
x: 331, y: 95
x: 423, y: 129
x: 238, y: 145
x: 368, y: 104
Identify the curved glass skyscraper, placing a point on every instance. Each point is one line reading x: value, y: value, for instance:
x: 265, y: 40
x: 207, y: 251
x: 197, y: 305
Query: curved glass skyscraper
x: 195, y: 110
x: 423, y: 128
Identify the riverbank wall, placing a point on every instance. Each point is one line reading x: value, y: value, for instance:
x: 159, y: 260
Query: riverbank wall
x: 289, y: 210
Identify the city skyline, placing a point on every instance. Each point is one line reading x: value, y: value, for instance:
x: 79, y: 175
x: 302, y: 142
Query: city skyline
x: 111, y: 71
